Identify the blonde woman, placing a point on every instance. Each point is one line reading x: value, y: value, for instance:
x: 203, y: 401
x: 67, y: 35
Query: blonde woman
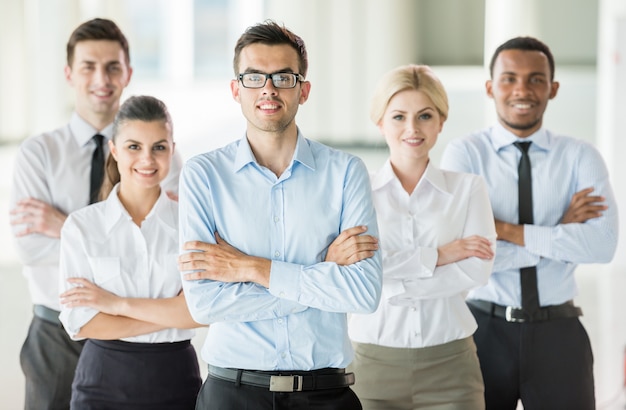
x: 437, y: 236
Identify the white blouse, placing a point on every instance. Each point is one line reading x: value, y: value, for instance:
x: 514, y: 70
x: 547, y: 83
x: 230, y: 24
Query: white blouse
x: 102, y: 244
x: 421, y: 304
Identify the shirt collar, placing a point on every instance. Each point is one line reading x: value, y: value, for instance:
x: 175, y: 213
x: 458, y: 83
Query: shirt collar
x: 302, y: 154
x: 432, y: 175
x: 83, y: 131
x: 501, y: 137
x: 115, y: 211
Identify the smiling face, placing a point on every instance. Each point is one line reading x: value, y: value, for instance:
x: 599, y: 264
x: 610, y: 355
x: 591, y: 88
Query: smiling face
x: 99, y: 73
x: 410, y: 125
x: 143, y: 151
x: 269, y: 109
x: 521, y: 88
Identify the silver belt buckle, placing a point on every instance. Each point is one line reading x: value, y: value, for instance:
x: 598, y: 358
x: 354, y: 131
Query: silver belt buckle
x: 508, y: 315
x: 285, y: 383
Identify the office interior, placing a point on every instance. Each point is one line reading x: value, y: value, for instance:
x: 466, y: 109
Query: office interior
x: 181, y: 52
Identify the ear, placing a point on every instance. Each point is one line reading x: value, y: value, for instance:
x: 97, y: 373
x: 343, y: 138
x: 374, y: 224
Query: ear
x: 113, y: 149
x: 305, y: 89
x: 130, y: 75
x: 67, y: 71
x: 379, y: 125
x: 554, y: 88
x: 488, y: 88
x: 234, y: 89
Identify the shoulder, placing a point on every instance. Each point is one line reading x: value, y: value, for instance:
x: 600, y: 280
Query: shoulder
x: 46, y: 139
x: 205, y: 159
x: 47, y: 144
x: 573, y: 148
x: 456, y: 180
x: 326, y: 154
x: 477, y: 139
x: 88, y: 218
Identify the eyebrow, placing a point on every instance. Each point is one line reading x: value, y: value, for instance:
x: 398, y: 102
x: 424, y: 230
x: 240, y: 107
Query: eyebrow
x: 139, y: 143
x: 282, y: 70
x: 534, y: 73
x: 428, y: 108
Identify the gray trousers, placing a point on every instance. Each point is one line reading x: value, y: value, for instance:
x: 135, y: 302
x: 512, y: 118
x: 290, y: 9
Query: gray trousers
x: 48, y: 359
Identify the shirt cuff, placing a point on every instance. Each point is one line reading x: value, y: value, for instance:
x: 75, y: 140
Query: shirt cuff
x: 285, y: 280
x: 538, y: 239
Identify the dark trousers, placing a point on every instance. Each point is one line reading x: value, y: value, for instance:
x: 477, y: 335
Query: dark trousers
x: 48, y: 358
x: 219, y: 394
x: 548, y: 364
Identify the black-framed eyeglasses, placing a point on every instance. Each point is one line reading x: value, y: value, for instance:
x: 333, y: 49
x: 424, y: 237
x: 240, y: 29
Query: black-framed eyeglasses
x: 280, y: 80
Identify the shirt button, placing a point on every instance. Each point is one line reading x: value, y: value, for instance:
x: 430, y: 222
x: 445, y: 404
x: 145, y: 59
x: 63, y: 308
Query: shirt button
x: 414, y: 309
x: 276, y: 254
x: 281, y: 294
x: 276, y: 219
x: 280, y: 321
x: 283, y: 355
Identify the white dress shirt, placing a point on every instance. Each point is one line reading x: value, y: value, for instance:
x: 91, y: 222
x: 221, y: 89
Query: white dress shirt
x: 422, y: 304
x: 54, y: 167
x: 102, y: 244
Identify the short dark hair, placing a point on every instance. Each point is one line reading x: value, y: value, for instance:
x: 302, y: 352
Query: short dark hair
x: 96, y: 29
x: 526, y: 44
x: 271, y: 33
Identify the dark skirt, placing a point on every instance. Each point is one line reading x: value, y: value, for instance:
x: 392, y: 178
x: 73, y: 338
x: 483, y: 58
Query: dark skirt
x: 121, y: 375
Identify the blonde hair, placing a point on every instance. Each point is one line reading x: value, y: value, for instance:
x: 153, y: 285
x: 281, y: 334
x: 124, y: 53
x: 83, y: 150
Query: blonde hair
x: 408, y: 77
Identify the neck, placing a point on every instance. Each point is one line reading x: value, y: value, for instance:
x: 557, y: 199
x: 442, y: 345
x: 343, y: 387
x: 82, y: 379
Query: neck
x: 409, y: 172
x: 138, y: 202
x: 98, y: 121
x: 273, y: 151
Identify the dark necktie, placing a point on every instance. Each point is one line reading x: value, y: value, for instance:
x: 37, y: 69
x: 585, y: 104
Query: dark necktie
x: 528, y: 275
x: 97, y: 169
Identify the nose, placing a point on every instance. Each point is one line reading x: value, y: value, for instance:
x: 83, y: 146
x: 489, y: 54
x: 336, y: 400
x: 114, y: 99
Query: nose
x: 521, y: 87
x: 269, y: 88
x: 147, y: 155
x: 101, y: 74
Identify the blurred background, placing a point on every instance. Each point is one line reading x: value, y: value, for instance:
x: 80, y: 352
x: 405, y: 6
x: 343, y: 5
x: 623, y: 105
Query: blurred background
x: 181, y: 52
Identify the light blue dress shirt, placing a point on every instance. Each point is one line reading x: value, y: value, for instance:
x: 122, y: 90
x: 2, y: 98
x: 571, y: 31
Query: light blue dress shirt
x: 300, y: 322
x: 561, y: 166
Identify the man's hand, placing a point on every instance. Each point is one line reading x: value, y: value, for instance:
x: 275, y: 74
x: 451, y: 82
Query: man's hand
x: 87, y: 294
x: 222, y: 262
x: 464, y: 248
x: 39, y: 217
x: 584, y: 207
x: 350, y: 246
x: 510, y: 232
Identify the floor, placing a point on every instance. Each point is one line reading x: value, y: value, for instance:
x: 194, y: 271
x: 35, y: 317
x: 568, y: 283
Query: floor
x: 599, y: 297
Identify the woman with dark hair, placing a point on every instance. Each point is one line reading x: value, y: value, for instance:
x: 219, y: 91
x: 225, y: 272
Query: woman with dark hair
x: 122, y: 288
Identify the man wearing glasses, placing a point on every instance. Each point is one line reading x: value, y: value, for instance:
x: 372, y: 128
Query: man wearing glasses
x: 256, y: 220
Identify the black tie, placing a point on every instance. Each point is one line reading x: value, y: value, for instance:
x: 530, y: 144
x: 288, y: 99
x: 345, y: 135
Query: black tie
x: 97, y: 169
x: 528, y: 275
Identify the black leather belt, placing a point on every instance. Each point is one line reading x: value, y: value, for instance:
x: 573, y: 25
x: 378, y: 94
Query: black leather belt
x: 47, y: 314
x: 285, y: 381
x: 513, y: 314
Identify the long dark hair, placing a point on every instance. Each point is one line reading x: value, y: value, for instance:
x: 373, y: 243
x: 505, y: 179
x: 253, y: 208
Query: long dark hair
x: 137, y: 108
